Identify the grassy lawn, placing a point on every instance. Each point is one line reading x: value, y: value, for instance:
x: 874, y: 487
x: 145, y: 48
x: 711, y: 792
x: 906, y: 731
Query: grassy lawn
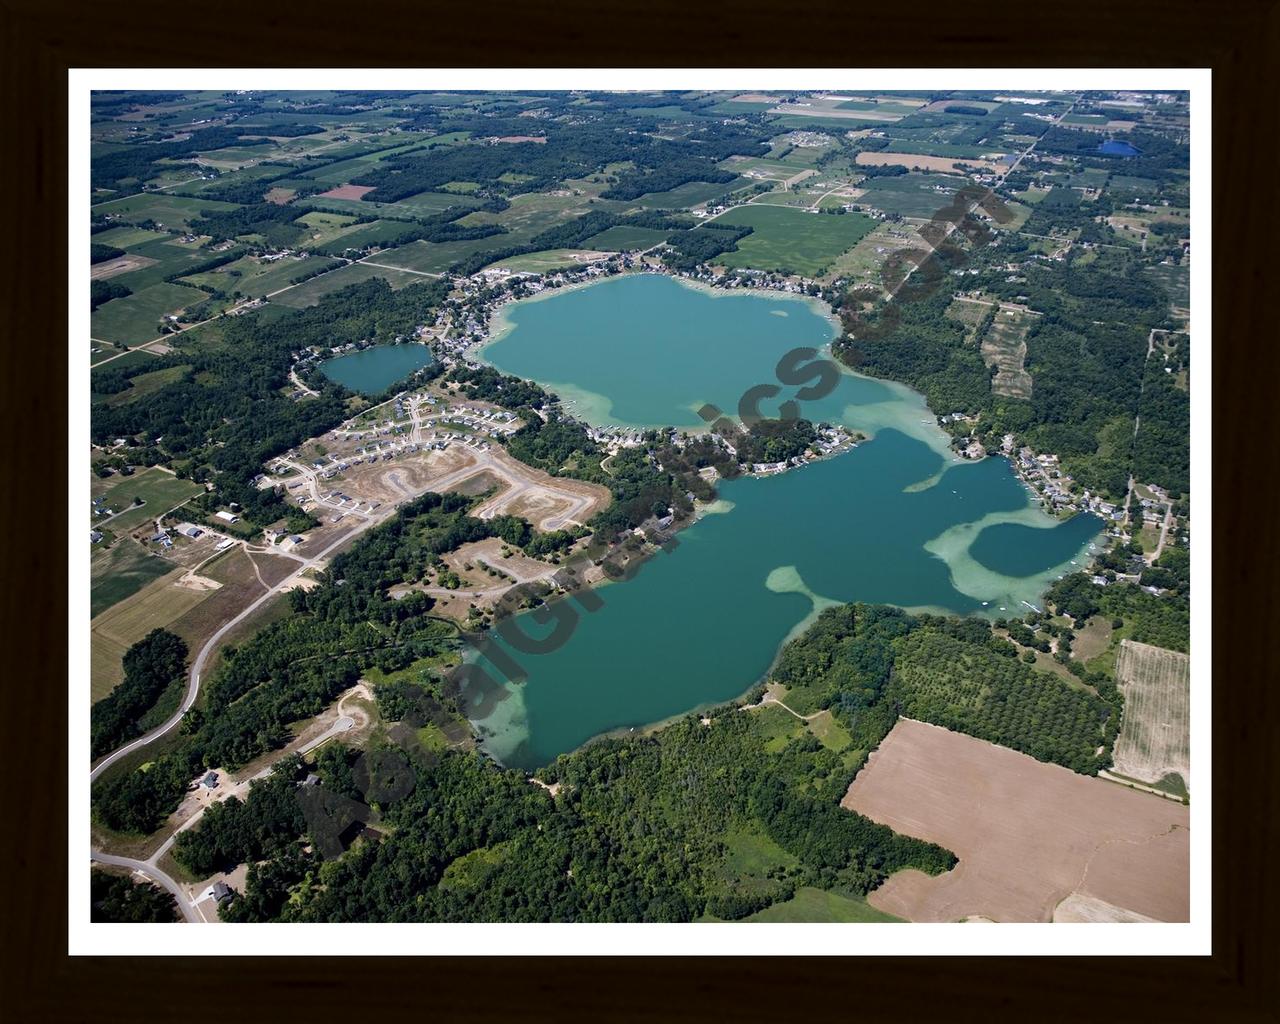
x: 792, y: 240
x: 160, y: 491
x: 135, y: 318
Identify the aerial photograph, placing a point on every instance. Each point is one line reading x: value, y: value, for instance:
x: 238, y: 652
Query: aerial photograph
x: 652, y: 506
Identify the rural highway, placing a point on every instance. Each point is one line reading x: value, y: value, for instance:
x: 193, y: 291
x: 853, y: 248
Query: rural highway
x: 197, y: 666
x: 149, y: 868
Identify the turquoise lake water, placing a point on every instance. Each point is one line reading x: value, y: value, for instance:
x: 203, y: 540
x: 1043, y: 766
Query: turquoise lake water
x: 897, y: 520
x: 372, y: 370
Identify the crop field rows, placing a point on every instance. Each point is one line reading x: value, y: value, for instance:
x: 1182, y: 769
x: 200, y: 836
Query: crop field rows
x: 1155, y: 735
x: 1005, y: 347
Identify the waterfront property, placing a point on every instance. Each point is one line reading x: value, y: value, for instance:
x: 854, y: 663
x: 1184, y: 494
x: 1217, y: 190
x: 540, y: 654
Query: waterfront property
x: 890, y: 521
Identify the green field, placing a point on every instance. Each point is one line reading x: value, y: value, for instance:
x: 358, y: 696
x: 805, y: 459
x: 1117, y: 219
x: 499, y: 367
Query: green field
x: 532, y: 213
x: 911, y: 195
x: 171, y: 258
x: 170, y: 211
x: 428, y: 203
x: 692, y: 193
x: 360, y: 236
x: 119, y: 572
x: 437, y: 257
x: 134, y: 319
x: 118, y: 359
x: 255, y: 278
x: 547, y: 260
x: 144, y: 384
x: 311, y: 292
x: 125, y: 237
x: 623, y: 238
x: 1175, y: 280
x: 324, y: 226
x: 819, y: 906
x: 159, y: 490
x: 792, y: 240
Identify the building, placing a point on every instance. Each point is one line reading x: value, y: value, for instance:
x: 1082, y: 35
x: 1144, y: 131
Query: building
x: 190, y: 530
x: 94, y: 536
x: 222, y: 892
x: 227, y: 517
x: 210, y: 781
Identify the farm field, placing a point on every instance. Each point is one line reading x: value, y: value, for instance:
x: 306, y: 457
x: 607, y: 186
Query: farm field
x: 1017, y: 862
x: 430, y: 203
x: 791, y: 240
x: 126, y: 237
x: 1004, y: 346
x: 118, y: 359
x: 921, y: 162
x: 256, y: 278
x: 113, y: 632
x: 530, y: 214
x: 361, y: 236
x: 310, y: 292
x: 693, y: 193
x: 623, y: 238
x: 159, y: 490
x: 169, y: 211
x: 1155, y: 733
x: 548, y: 260
x: 119, y: 571
x: 865, y: 259
x: 1176, y: 281
x: 161, y: 260
x: 135, y: 318
x: 324, y: 226
x: 911, y: 195
x: 437, y: 257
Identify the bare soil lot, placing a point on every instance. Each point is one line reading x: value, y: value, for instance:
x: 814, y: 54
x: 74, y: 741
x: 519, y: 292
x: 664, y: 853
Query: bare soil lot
x: 549, y: 503
x: 1028, y: 834
x: 119, y: 265
x: 346, y: 192
x: 1155, y: 735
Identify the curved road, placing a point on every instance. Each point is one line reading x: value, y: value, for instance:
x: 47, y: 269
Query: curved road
x: 197, y: 666
x: 150, y: 868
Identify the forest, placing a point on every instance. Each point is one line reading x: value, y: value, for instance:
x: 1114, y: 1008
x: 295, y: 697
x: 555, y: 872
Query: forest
x: 115, y: 899
x: 644, y: 827
x: 150, y: 666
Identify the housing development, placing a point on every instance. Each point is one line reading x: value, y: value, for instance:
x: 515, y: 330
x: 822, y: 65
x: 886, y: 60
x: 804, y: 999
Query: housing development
x: 655, y: 506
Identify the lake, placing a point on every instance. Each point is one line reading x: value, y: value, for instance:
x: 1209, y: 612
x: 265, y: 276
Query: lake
x: 898, y: 520
x: 1117, y: 147
x: 372, y: 370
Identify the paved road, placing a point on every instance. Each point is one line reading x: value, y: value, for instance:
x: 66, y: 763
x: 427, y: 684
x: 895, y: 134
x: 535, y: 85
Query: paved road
x: 197, y: 666
x: 149, y: 868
